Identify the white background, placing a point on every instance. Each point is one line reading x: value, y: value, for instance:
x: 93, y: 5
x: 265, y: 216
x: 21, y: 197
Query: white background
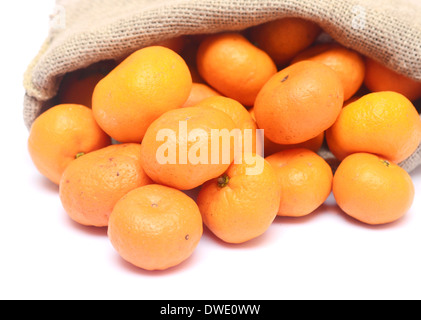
x: 44, y: 255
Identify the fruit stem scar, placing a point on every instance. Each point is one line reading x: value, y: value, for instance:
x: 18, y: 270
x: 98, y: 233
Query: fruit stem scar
x: 187, y: 237
x: 386, y: 163
x: 80, y: 154
x: 223, y: 181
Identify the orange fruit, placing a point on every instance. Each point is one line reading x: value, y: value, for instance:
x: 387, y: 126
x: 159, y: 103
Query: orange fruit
x: 240, y: 206
x: 177, y: 149
x: 382, y: 123
x: 380, y: 78
x: 347, y: 63
x: 148, y: 83
x: 59, y: 135
x: 313, y: 144
x: 155, y: 227
x: 299, y: 103
x: 284, y: 38
x: 372, y: 189
x: 92, y: 184
x: 176, y: 44
x: 234, y: 67
x: 77, y: 87
x: 189, y: 54
x: 305, y: 178
x: 270, y: 147
x: 241, y: 117
x: 199, y: 92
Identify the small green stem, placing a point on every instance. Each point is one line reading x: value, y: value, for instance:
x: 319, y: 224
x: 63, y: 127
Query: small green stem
x: 386, y: 163
x: 223, y: 181
x: 80, y: 154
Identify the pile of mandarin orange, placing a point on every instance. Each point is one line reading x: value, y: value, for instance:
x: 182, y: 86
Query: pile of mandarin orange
x: 101, y: 140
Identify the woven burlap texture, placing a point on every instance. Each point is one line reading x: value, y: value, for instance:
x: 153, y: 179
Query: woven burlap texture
x: 84, y: 32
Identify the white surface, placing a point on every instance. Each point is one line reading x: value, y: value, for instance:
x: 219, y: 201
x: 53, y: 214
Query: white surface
x: 46, y: 256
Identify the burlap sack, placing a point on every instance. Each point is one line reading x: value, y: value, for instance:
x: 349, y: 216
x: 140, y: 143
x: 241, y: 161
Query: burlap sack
x: 87, y: 31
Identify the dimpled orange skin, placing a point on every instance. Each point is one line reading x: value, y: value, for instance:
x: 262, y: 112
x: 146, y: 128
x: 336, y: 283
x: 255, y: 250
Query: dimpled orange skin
x: 238, y: 207
x: 61, y: 133
x: 234, y: 67
x: 373, y: 190
x: 155, y: 227
x: 306, y: 181
x: 349, y: 64
x: 382, y: 123
x: 380, y: 78
x: 199, y: 92
x: 175, y: 160
x: 270, y: 147
x: 241, y: 117
x: 144, y: 86
x: 313, y: 144
x: 299, y: 103
x: 283, y: 39
x: 92, y: 184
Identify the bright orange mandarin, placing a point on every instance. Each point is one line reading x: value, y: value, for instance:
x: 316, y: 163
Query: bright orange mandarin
x: 60, y: 134
x: 305, y: 178
x: 177, y: 149
x: 382, y: 123
x: 155, y: 227
x: 270, y: 147
x: 147, y: 84
x: 239, y: 206
x: 347, y: 63
x: 241, y: 117
x: 299, y: 103
x: 283, y: 39
x: 380, y: 78
x: 372, y: 189
x: 313, y: 144
x: 199, y: 92
x: 92, y: 184
x: 78, y: 86
x: 234, y: 67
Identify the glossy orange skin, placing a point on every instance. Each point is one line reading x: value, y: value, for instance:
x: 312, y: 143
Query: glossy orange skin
x: 241, y: 117
x: 268, y: 148
x: 284, y: 38
x: 245, y: 207
x: 313, y: 144
x: 234, y: 67
x: 380, y: 78
x: 373, y: 190
x: 184, y: 173
x: 144, y: 86
x: 199, y: 92
x: 349, y: 64
x: 382, y: 123
x: 305, y: 178
x: 299, y: 103
x: 61, y: 133
x: 92, y: 184
x: 155, y: 227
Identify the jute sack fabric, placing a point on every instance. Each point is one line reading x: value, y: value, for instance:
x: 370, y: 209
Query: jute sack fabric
x: 84, y: 32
